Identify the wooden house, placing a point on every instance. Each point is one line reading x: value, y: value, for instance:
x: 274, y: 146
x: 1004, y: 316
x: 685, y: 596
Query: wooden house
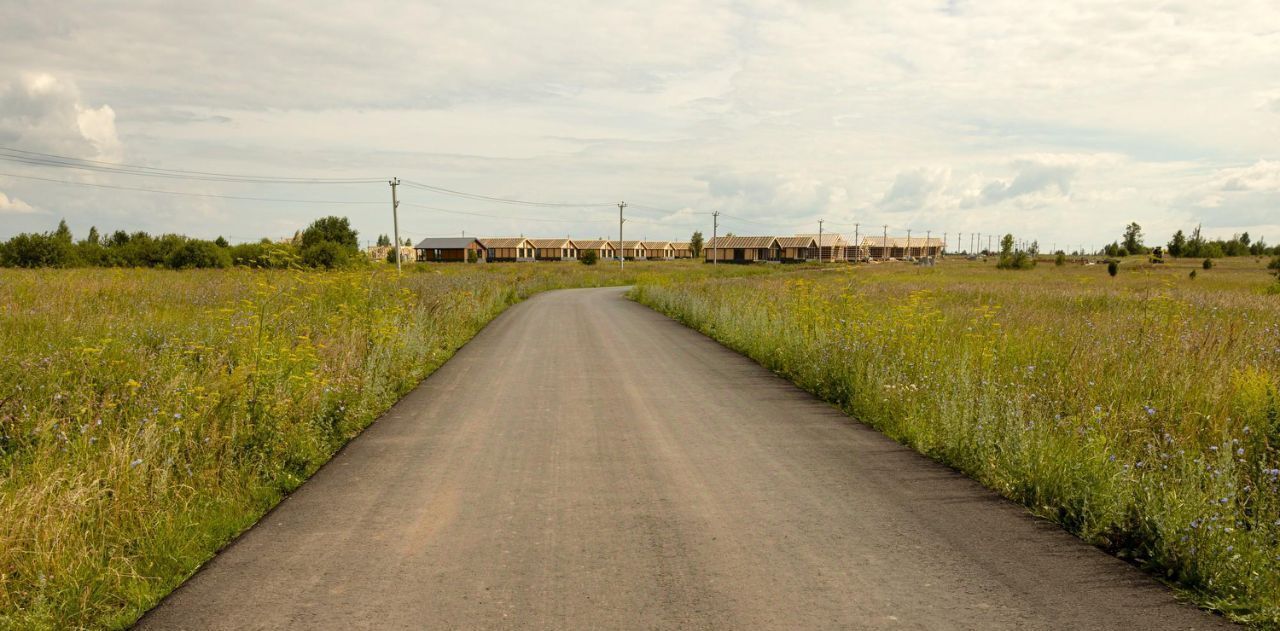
x: 886, y: 248
x: 634, y: 250
x: 835, y: 247
x: 451, y: 249
x: 659, y: 251
x: 798, y: 249
x: 554, y: 249
x: 682, y: 249
x: 603, y: 248
x: 508, y: 248
x: 742, y: 249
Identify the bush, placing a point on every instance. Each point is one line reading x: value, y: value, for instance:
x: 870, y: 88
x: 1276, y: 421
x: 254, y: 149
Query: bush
x: 589, y: 257
x: 1192, y: 275
x: 392, y: 253
x: 1060, y: 259
x: 263, y: 255
x: 36, y: 250
x: 1275, y: 263
x: 199, y: 254
x: 1113, y: 267
x: 1016, y: 260
x: 330, y: 230
x: 326, y: 254
x: 1207, y: 264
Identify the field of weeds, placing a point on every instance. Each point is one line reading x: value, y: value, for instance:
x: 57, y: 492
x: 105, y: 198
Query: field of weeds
x: 1141, y: 412
x: 148, y: 416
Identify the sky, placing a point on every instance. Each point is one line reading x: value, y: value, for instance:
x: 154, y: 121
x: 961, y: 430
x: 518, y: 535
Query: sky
x: 1059, y: 122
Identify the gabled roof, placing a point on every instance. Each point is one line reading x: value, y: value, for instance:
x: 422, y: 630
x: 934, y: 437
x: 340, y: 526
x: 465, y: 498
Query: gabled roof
x: 447, y: 243
x: 829, y: 239
x: 799, y: 242
x: 550, y: 244
x: 503, y: 242
x: 594, y: 245
x: 743, y: 242
x: 656, y: 245
x: 901, y: 242
x: 681, y: 245
x: 633, y: 245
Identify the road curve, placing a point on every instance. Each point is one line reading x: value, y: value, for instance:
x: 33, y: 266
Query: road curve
x: 585, y: 462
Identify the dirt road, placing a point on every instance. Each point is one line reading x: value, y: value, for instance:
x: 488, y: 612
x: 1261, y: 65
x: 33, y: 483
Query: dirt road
x: 587, y: 463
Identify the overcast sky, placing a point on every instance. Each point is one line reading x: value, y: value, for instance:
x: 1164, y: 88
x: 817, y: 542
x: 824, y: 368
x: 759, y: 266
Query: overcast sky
x: 1057, y: 121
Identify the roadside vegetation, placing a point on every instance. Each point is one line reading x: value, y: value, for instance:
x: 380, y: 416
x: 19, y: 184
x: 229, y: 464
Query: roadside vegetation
x: 148, y: 416
x: 1141, y: 412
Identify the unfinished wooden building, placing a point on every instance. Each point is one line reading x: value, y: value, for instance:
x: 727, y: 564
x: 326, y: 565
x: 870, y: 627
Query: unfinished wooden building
x: 742, y: 249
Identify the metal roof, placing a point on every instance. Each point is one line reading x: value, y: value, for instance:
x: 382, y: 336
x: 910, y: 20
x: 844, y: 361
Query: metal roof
x: 800, y: 242
x: 721, y: 243
x: 502, y: 242
x: 828, y: 238
x: 901, y: 242
x: 447, y: 243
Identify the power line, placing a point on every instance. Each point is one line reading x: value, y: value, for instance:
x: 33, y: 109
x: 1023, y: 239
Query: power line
x: 36, y: 158
x: 501, y: 200
x: 186, y: 194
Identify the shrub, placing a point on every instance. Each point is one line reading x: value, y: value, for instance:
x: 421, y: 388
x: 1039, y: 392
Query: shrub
x: 589, y: 257
x: 36, y: 250
x: 263, y: 255
x: 1016, y: 260
x: 1207, y: 264
x: 1060, y: 259
x: 1113, y: 267
x: 199, y: 254
x: 1192, y: 275
x: 326, y: 254
x: 330, y: 230
x: 1275, y: 263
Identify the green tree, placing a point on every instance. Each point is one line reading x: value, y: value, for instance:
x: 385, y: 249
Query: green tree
x: 326, y: 254
x: 383, y: 240
x: 93, y: 238
x: 1178, y: 244
x: 336, y: 230
x: 1006, y: 245
x: 695, y: 243
x: 1133, y: 238
x: 589, y: 257
x: 220, y: 242
x: 196, y: 253
x: 36, y: 250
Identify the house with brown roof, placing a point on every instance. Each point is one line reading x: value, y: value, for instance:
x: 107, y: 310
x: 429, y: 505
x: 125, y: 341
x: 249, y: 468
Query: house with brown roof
x: 682, y: 249
x: 659, y: 250
x: 886, y: 248
x: 450, y: 250
x: 742, y: 249
x: 603, y: 248
x: 508, y: 249
x: 798, y: 249
x: 554, y: 249
x: 835, y: 247
x: 634, y: 250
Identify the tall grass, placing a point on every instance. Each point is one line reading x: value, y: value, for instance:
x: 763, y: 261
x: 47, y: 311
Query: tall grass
x: 147, y: 416
x: 1141, y: 412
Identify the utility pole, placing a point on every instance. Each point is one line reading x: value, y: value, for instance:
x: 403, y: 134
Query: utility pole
x: 395, y: 219
x: 622, y: 260
x: 857, y: 245
x: 715, y: 226
x: 908, y: 244
x: 988, y: 242
x: 944, y: 242
x: 927, y: 233
x: 820, y: 239
x: 884, y: 245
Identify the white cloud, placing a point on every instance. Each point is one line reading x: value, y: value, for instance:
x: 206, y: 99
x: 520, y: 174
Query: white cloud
x: 14, y: 205
x: 39, y: 112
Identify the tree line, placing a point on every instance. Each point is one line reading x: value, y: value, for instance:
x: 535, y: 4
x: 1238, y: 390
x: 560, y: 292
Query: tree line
x: 1195, y: 245
x: 329, y: 242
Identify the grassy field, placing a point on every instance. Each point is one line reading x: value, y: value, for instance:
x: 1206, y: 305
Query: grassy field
x: 148, y: 416
x: 1141, y: 412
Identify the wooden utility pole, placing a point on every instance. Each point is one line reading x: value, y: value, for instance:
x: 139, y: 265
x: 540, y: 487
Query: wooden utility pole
x: 395, y: 219
x: 857, y: 245
x: 622, y: 260
x: 908, y: 244
x: 884, y: 245
x: 820, y: 239
x: 715, y: 226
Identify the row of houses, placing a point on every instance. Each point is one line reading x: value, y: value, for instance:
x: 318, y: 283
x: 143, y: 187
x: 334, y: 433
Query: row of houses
x: 798, y: 248
x: 499, y: 249
x: 824, y: 247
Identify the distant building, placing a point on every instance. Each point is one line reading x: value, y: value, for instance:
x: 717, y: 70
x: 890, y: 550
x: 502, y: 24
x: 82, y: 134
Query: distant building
x: 508, y: 249
x: 742, y: 249
x: 882, y: 248
x: 659, y: 251
x: 682, y: 249
x: 603, y: 248
x: 451, y: 250
x: 798, y: 248
x: 554, y: 249
x: 835, y: 247
x: 634, y: 250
